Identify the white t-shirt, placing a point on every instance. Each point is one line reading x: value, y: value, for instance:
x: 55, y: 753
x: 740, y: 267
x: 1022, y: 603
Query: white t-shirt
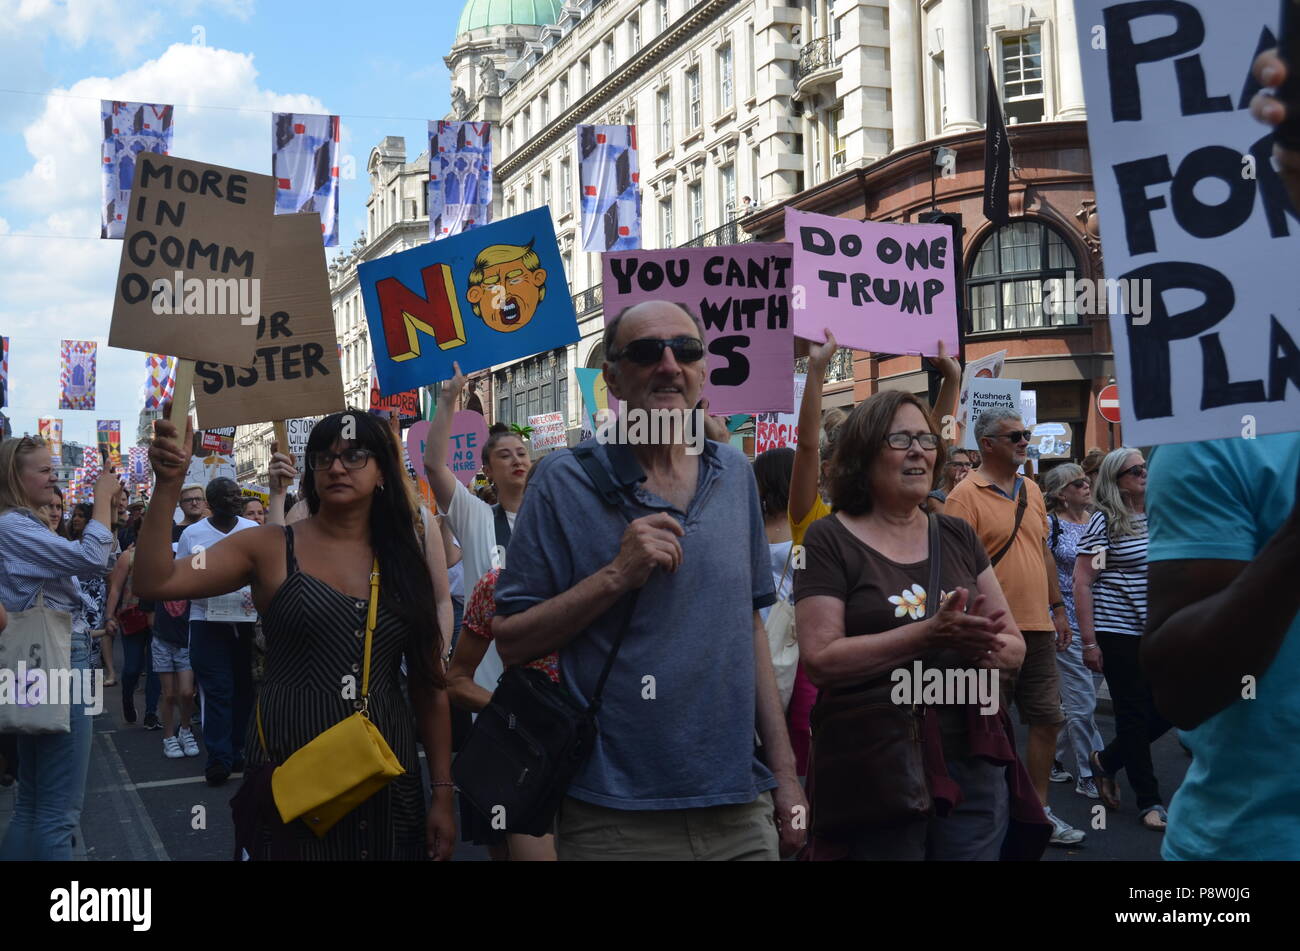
x: 233, y: 607
x: 474, y: 524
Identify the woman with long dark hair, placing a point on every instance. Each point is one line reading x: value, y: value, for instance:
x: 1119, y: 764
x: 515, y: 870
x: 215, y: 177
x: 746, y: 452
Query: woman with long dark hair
x: 311, y: 584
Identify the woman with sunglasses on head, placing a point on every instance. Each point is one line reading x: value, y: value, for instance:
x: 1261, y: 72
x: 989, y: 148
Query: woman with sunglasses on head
x: 1110, y: 597
x: 1068, y: 494
x: 313, y: 584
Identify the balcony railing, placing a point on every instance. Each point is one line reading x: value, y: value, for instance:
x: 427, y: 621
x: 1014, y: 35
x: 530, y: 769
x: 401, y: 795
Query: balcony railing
x: 816, y: 55
x: 730, y: 233
x: 839, y: 370
x: 584, y: 302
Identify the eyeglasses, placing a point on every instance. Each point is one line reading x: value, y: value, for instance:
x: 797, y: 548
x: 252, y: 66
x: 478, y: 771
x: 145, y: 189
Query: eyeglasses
x: 193, y: 498
x: 904, y: 440
x: 1134, y: 471
x: 1080, y: 484
x: 1015, y: 436
x: 648, y: 351
x: 352, y: 459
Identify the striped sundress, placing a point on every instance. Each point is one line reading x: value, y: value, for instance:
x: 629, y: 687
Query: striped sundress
x: 315, y: 637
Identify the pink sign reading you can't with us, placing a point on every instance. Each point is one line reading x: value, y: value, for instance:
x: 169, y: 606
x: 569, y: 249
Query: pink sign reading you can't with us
x: 887, y: 288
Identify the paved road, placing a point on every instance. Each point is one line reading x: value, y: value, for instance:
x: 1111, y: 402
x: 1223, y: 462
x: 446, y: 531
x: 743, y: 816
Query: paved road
x: 141, y: 806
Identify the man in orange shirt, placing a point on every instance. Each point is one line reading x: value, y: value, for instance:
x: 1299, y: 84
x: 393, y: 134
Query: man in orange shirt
x: 1007, y: 512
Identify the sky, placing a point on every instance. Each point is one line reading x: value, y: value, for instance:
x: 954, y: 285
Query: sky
x: 379, y: 66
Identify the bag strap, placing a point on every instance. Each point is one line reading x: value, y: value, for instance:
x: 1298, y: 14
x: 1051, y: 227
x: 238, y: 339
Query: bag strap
x: 1056, y: 532
x: 932, y: 593
x: 501, y: 523
x: 1020, y: 514
x: 786, y: 569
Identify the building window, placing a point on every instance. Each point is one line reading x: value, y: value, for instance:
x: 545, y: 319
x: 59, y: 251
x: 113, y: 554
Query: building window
x: 564, y: 92
x: 1022, y: 77
x: 546, y: 188
x: 838, y: 151
x: 693, y: 96
x: 546, y: 109
x: 753, y: 173
x: 938, y: 115
x: 695, y: 199
x: 666, y: 223
x: 611, y: 62
x: 727, y: 191
x: 664, y: 98
x: 586, y: 74
x: 528, y: 124
x: 663, y: 15
x: 725, y: 94
x: 566, y: 186
x: 528, y: 198
x: 510, y: 206
x: 634, y: 31
x: 1008, y: 276
x: 751, y: 63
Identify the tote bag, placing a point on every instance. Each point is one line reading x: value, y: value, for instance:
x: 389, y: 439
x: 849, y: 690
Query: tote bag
x: 36, y: 642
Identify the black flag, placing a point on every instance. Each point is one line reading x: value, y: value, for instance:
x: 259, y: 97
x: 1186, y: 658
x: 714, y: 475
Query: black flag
x: 997, y: 156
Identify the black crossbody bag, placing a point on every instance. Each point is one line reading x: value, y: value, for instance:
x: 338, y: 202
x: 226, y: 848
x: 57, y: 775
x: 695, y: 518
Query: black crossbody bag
x: 532, y: 738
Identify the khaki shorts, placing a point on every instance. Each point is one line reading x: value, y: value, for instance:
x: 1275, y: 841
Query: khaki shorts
x: 1036, y: 686
x: 744, y: 832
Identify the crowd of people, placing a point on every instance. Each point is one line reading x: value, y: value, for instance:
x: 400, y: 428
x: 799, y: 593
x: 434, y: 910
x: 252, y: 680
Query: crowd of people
x: 640, y: 578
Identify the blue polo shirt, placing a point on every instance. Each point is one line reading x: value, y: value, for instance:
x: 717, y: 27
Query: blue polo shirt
x: 684, y: 739
x: 1225, y: 499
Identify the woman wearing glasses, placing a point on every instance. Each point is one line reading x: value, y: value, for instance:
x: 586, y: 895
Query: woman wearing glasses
x: 864, y: 611
x: 1068, y: 494
x: 311, y: 584
x: 1110, y: 597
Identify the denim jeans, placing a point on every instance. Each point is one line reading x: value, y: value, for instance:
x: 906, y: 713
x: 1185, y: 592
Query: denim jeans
x: 138, y: 659
x: 1079, y: 699
x: 1137, y: 722
x: 52, y: 771
x: 222, y: 658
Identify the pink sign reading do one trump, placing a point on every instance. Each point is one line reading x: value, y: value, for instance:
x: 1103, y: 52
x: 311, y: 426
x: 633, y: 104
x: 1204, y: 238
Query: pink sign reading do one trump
x: 742, y: 295
x: 888, y: 288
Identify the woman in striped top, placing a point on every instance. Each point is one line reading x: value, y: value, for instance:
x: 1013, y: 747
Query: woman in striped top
x: 1110, y: 601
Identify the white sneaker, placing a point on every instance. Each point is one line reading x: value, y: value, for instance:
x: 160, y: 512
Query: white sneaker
x: 188, y: 744
x: 1062, y: 832
x: 172, y: 748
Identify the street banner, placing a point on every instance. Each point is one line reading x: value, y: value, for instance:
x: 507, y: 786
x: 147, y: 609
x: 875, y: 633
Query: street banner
x: 488, y: 296
x: 1199, y: 238
x: 109, y: 436
x: 138, y: 464
x: 195, y: 258
x: 77, y: 374
x: 51, y: 431
x: 987, y: 367
x: 780, y: 430
x: 460, y: 176
x: 742, y: 295
x: 295, y: 370
x: 986, y: 394
x: 610, y: 181
x: 4, y: 372
x: 887, y: 288
x: 129, y: 129
x: 160, y: 380
x: 305, y: 166
x: 548, y: 432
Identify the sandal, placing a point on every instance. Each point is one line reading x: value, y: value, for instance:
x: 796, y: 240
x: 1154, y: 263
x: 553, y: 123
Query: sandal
x: 1162, y: 818
x: 1107, y: 788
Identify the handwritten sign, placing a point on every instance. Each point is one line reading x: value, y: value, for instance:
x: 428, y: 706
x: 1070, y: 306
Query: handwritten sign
x: 196, y: 254
x: 469, y: 435
x: 548, y: 432
x: 1193, y: 219
x: 742, y: 295
x: 487, y: 296
x: 986, y: 367
x: 780, y: 430
x: 887, y: 288
x: 295, y: 369
x: 986, y: 394
x: 416, y: 438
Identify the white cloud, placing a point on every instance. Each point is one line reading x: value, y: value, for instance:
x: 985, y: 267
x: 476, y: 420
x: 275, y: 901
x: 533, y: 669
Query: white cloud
x: 62, y: 287
x: 123, y: 24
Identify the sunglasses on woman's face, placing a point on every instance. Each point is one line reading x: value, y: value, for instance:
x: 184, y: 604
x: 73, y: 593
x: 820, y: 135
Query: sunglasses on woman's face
x: 647, y: 351
x: 1134, y: 471
x: 1080, y: 484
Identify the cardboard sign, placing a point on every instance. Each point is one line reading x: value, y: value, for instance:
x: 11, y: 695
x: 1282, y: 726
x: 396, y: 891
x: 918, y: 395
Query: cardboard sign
x: 595, y: 394
x: 416, y: 438
x: 988, y: 394
x: 548, y: 432
x: 298, y: 431
x: 887, y: 288
x: 487, y: 296
x: 1052, y: 441
x: 469, y: 434
x: 989, y: 367
x: 780, y: 430
x: 194, y: 261
x: 742, y: 295
x: 295, y: 370
x: 218, y: 440
x: 204, y: 467
x: 261, y: 493
x: 1197, y: 232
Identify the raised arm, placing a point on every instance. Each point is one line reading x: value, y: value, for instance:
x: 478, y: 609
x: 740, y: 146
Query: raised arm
x: 806, y: 475
x: 280, y: 475
x: 945, y: 405
x: 441, y: 479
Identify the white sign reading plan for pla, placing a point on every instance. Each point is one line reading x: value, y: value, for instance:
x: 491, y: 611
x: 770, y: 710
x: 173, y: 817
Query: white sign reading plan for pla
x: 1188, y: 201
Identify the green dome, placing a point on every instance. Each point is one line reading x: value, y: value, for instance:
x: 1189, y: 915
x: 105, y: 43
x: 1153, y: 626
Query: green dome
x: 483, y: 13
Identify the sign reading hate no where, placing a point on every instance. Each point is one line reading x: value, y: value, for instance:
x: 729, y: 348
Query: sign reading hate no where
x: 1190, y: 205
x: 195, y: 255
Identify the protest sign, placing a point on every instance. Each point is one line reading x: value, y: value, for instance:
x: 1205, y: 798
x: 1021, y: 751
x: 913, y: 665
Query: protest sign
x: 416, y: 438
x: 298, y: 431
x: 1196, y: 228
x: 982, y: 368
x: 259, y: 492
x: 295, y: 369
x: 469, y: 435
x: 988, y: 394
x: 742, y: 295
x: 1051, y: 440
x: 888, y: 288
x: 483, y: 297
x: 208, y: 465
x: 595, y: 394
x: 780, y: 430
x: 1029, y: 407
x: 218, y: 440
x: 406, y: 405
x: 548, y: 432
x: 194, y: 260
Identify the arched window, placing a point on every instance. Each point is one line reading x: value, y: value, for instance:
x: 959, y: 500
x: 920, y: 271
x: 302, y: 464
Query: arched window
x: 1008, y: 276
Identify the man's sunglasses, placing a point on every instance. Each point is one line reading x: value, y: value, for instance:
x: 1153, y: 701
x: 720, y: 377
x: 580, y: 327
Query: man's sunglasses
x: 352, y: 459
x: 1016, y: 435
x: 1133, y: 471
x: 648, y: 351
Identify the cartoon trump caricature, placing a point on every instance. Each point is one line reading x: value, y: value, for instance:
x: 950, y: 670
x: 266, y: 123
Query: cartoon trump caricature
x: 506, y: 285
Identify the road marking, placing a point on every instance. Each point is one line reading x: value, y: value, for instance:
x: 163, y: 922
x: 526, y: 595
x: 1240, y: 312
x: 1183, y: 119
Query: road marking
x: 141, y: 834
